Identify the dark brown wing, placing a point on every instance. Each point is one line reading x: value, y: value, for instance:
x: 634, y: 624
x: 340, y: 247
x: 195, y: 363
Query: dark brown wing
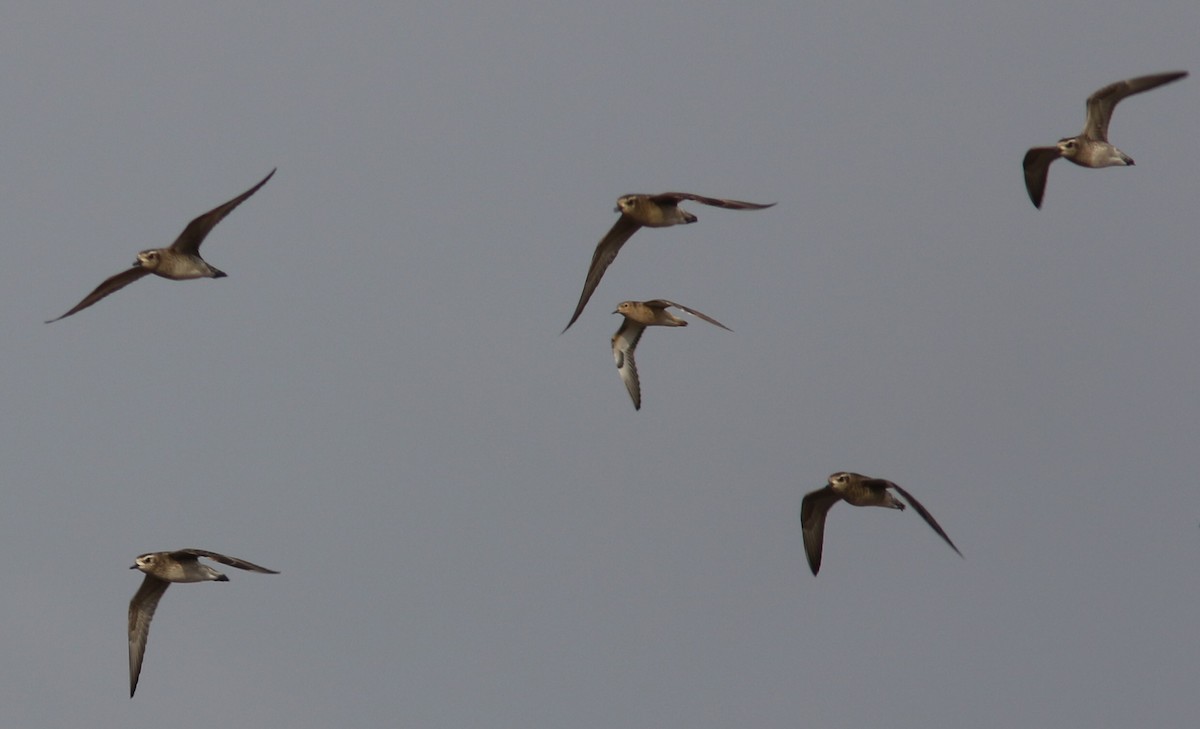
x: 813, y: 509
x: 1037, y: 168
x: 141, y: 612
x: 624, y: 342
x: 193, y: 235
x: 925, y: 515
x: 662, y: 303
x: 111, y: 284
x: 605, y: 254
x: 1100, y: 104
x: 676, y: 197
x: 241, y: 564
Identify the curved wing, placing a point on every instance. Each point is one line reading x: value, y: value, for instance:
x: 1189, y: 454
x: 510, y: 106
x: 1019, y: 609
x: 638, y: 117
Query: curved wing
x: 663, y: 303
x: 925, y: 515
x: 604, y: 255
x: 1037, y: 168
x: 623, y: 343
x: 813, y: 509
x: 677, y: 197
x: 111, y: 284
x: 141, y: 612
x: 193, y: 235
x: 1101, y: 103
x: 214, y: 556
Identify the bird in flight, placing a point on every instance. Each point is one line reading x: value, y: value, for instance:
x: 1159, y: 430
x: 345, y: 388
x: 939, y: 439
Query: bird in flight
x: 856, y: 490
x: 179, y: 261
x: 163, y: 568
x: 652, y: 211
x: 1090, y: 148
x: 639, y: 315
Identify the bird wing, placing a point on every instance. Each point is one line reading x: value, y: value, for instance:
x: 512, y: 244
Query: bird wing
x: 925, y: 515
x: 193, y: 235
x: 677, y: 197
x: 111, y: 284
x: 663, y: 303
x: 813, y: 509
x: 605, y: 254
x: 1101, y: 103
x: 1037, y: 168
x: 214, y: 556
x: 623, y: 343
x: 141, y: 612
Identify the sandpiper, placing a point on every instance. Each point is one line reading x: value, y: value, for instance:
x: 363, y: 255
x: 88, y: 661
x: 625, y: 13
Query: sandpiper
x: 856, y: 490
x: 163, y: 568
x: 1091, y: 147
x: 179, y: 261
x: 639, y: 315
x: 652, y: 211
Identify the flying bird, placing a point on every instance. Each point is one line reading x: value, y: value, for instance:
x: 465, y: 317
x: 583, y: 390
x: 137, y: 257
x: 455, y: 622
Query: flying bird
x: 1091, y: 147
x: 163, y: 568
x: 639, y: 315
x: 856, y: 490
x: 179, y: 261
x: 652, y: 211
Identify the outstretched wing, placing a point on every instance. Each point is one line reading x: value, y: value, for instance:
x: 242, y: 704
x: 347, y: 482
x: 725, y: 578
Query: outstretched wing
x: 193, y: 235
x: 214, y: 556
x: 1100, y: 104
x: 1037, y: 168
x: 623, y: 343
x: 677, y: 197
x: 925, y: 515
x: 813, y: 509
x: 663, y: 303
x: 111, y: 284
x: 605, y: 254
x: 141, y: 612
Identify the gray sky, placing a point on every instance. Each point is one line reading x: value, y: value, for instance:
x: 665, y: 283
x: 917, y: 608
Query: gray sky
x: 473, y: 525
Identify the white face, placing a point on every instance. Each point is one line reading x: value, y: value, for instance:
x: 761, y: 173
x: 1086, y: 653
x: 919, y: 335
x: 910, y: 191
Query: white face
x: 840, y: 478
x: 1068, y: 147
x: 147, y: 259
x: 626, y: 204
x: 145, y: 561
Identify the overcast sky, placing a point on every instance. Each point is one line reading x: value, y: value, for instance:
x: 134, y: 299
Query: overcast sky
x: 474, y: 527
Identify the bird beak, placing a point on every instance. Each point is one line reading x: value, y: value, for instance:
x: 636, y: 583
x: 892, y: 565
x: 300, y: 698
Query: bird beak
x: 133, y: 566
x: 616, y: 311
x: 616, y: 210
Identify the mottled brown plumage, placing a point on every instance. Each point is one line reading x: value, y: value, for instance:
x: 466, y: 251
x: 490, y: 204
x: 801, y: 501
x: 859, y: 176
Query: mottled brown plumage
x: 637, y: 316
x: 179, y: 261
x: 857, y: 490
x: 1091, y: 147
x: 652, y: 211
x: 161, y: 569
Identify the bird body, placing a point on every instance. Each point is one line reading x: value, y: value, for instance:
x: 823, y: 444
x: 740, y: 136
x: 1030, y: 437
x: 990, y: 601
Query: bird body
x: 856, y: 490
x: 1090, y: 148
x: 179, y: 261
x: 161, y: 569
x: 651, y: 211
x: 637, y: 316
